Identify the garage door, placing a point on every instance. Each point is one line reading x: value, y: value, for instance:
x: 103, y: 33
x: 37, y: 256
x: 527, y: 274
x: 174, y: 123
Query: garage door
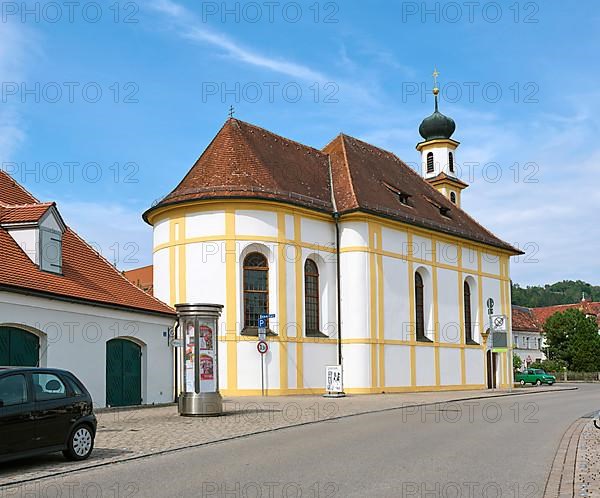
x: 123, y: 373
x: 18, y: 348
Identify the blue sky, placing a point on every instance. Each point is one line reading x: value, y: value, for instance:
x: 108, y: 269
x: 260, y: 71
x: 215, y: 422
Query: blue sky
x: 105, y: 117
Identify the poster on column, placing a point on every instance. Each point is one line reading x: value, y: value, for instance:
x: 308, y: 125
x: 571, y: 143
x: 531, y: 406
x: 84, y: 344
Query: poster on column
x: 208, y: 381
x: 190, y: 354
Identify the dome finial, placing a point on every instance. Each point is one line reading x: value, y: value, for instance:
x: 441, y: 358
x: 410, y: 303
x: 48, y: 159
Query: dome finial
x: 437, y: 126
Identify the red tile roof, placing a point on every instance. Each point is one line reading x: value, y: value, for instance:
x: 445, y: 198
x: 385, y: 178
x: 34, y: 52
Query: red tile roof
x: 23, y: 213
x: 524, y: 320
x: 87, y: 277
x: 587, y: 307
x: 245, y: 161
x: 142, y: 277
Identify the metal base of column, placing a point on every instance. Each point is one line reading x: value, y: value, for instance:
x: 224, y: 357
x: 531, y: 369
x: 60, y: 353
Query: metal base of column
x: 200, y: 405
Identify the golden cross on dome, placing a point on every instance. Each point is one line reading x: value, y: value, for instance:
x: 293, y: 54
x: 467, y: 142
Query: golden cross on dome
x: 435, y: 82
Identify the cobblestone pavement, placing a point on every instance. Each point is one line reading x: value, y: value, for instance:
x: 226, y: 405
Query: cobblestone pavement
x: 132, y: 433
x: 587, y: 467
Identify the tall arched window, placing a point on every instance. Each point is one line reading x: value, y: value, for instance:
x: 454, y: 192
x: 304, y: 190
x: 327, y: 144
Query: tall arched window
x: 453, y: 197
x: 256, y: 288
x: 419, y: 307
x: 430, y: 162
x: 468, y: 318
x: 451, y: 162
x: 311, y: 298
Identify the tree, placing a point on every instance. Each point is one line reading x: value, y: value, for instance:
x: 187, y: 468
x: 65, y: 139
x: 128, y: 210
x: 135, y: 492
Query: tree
x: 517, y: 362
x: 573, y: 338
x: 565, y: 292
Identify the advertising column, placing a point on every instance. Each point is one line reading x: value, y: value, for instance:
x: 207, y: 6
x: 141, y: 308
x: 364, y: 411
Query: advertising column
x: 198, y: 329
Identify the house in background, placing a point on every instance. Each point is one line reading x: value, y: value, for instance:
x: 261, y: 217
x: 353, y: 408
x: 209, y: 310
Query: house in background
x: 141, y: 277
x: 62, y: 305
x: 528, y: 339
x: 588, y: 308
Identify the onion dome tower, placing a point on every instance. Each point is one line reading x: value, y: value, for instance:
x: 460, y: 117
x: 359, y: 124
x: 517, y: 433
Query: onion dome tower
x: 438, y: 149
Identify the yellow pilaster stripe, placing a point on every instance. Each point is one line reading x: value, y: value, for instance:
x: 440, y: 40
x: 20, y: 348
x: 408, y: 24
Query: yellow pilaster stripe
x: 461, y: 315
x: 373, y: 305
x: 231, y: 299
x: 380, y: 307
x: 282, y: 295
x: 299, y: 301
x: 482, y: 317
x: 172, y: 265
x: 436, y: 320
x: 181, y: 249
x: 411, y: 321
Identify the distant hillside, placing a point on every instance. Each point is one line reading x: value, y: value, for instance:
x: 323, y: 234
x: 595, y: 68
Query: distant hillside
x: 565, y: 292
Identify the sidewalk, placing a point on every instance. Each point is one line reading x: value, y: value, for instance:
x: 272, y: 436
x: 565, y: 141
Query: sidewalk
x: 133, y: 433
x: 587, y: 466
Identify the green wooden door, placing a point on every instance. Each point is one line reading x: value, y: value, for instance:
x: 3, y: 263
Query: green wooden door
x: 123, y: 373
x: 18, y: 348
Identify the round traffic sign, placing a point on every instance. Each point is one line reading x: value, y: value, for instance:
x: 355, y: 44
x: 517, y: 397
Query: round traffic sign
x: 262, y: 347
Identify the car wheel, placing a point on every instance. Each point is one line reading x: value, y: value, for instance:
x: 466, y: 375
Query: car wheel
x: 522, y: 382
x: 80, y: 444
x: 538, y: 382
x: 550, y: 383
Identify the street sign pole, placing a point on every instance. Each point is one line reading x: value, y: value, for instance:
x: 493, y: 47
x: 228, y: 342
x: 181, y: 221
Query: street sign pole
x: 263, y: 346
x: 491, y: 366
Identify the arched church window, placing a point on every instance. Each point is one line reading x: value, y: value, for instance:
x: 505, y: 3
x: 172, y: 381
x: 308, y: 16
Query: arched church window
x: 453, y: 197
x: 256, y: 288
x: 467, y: 310
x: 311, y: 298
x: 430, y: 162
x: 451, y: 162
x: 419, y: 307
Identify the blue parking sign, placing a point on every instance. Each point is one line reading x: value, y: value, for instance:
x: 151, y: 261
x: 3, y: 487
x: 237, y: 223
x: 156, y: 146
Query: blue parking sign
x: 262, y: 323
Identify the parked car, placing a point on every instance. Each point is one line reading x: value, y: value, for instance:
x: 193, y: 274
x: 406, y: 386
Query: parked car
x: 534, y: 376
x: 44, y: 410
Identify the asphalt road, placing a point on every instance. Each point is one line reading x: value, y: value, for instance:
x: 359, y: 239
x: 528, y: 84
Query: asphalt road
x: 491, y: 448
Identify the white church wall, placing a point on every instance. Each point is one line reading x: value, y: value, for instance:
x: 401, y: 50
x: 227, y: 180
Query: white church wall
x: 450, y: 370
x: 395, y: 241
x: 74, y: 337
x: 161, y: 232
x: 316, y: 358
x: 447, y: 254
x: 396, y: 311
x: 357, y: 370
x: 490, y: 263
x: 354, y: 234
x: 448, y: 309
x: 397, y: 365
x: 205, y: 273
x: 355, y: 294
x: 469, y: 258
x: 321, y: 233
x: 292, y: 364
x: 422, y: 248
x: 474, y: 366
x: 250, y: 222
x: 425, y: 362
x: 205, y: 224
x: 161, y: 275
x: 249, y: 366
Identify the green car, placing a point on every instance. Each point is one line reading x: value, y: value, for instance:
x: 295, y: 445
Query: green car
x: 534, y: 376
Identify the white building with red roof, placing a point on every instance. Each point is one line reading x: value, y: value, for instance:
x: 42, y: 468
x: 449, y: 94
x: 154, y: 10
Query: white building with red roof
x: 63, y: 305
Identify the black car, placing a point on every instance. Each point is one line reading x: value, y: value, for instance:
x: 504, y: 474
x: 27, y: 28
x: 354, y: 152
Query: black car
x: 43, y: 410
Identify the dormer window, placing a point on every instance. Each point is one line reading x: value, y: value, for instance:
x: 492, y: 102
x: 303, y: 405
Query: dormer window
x: 445, y: 211
x: 451, y: 162
x: 38, y: 229
x: 50, y: 250
x: 403, y: 197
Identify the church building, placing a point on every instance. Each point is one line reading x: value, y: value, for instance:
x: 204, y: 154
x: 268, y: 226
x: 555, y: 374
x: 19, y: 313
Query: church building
x: 361, y: 259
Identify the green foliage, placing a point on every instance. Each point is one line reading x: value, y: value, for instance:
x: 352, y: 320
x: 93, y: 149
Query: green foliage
x: 517, y: 362
x: 553, y: 365
x: 573, y: 340
x: 565, y: 292
x: 536, y: 364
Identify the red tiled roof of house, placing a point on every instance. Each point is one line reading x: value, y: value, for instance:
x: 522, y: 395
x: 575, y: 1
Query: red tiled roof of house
x: 587, y: 307
x: 23, y: 213
x: 86, y: 277
x: 245, y: 161
x: 142, y: 277
x: 523, y: 319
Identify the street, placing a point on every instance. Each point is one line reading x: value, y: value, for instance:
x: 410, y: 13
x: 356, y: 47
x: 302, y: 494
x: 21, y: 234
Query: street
x: 486, y: 447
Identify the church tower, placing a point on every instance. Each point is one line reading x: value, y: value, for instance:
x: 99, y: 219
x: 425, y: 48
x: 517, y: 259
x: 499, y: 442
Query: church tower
x: 438, y: 152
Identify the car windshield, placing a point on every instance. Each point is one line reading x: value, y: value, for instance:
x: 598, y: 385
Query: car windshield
x: 539, y: 372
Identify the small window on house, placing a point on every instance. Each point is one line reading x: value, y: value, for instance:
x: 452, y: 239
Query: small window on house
x: 403, y: 196
x: 256, y: 288
x: 50, y: 251
x: 451, y: 162
x: 430, y: 162
x: 311, y: 298
x: 453, y: 197
x: 419, y: 308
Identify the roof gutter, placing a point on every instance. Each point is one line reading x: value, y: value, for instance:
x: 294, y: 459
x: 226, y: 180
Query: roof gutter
x: 336, y: 219
x: 74, y: 300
